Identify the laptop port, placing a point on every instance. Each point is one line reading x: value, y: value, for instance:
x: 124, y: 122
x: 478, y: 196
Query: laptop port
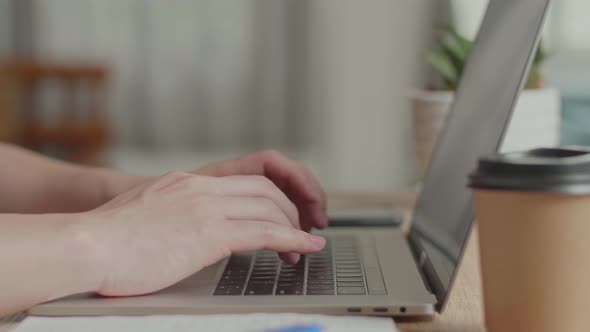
x: 380, y: 309
x: 354, y: 310
x: 402, y: 309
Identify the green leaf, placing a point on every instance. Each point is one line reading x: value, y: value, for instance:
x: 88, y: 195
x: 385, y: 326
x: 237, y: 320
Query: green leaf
x: 464, y: 42
x: 457, y: 49
x: 450, y: 62
x: 443, y: 64
x: 540, y: 56
x: 535, y: 77
x: 454, y: 47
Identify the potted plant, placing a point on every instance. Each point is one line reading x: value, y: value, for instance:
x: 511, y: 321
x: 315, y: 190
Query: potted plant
x: 431, y: 105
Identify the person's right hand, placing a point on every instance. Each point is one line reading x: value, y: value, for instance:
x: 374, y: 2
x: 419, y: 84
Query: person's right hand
x: 162, y: 232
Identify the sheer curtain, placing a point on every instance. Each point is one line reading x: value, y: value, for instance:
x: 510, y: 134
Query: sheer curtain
x: 212, y: 73
x: 324, y: 81
x: 5, y: 28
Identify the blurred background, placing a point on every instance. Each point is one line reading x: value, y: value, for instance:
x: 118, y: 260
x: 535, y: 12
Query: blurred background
x: 151, y: 86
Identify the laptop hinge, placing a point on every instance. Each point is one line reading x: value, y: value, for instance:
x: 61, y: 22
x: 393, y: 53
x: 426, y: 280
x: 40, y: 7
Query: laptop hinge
x: 421, y: 262
x: 426, y: 268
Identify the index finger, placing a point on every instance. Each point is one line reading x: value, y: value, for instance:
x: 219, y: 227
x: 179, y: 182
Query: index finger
x: 253, y: 235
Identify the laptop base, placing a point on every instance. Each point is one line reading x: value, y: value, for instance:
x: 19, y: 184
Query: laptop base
x: 405, y: 295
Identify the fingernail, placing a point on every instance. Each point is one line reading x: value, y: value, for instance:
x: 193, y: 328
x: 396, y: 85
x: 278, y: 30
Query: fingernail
x: 318, y: 241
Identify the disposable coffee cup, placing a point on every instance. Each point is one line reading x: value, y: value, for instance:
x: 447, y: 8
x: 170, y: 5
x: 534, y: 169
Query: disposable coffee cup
x: 533, y: 215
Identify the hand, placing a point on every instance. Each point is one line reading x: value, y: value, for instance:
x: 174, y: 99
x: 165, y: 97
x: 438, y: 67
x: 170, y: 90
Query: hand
x: 163, y: 231
x: 291, y: 176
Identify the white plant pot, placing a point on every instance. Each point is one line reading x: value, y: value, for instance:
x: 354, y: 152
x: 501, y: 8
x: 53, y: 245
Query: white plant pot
x: 534, y: 123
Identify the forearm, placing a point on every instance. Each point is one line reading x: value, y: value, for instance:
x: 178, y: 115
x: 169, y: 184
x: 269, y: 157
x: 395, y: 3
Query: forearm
x: 44, y: 257
x: 30, y: 183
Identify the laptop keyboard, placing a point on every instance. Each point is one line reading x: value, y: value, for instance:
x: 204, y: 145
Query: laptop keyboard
x: 336, y: 270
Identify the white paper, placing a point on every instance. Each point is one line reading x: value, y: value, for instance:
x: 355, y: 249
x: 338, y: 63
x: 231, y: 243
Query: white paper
x: 217, y: 323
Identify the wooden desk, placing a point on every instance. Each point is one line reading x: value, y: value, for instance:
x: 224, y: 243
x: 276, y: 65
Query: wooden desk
x: 464, y: 311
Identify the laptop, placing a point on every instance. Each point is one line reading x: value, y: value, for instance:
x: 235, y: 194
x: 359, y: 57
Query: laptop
x: 373, y: 270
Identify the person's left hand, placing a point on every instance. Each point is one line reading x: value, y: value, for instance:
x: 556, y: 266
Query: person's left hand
x: 291, y: 176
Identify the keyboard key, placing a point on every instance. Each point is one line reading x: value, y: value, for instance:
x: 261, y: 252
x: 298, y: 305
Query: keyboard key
x: 235, y: 292
x: 239, y: 288
x: 351, y: 265
x: 262, y: 264
x: 351, y: 291
x: 320, y: 267
x: 323, y: 276
x: 320, y: 274
x: 323, y: 256
x: 293, y: 290
x: 232, y: 282
x: 320, y: 286
x: 349, y: 274
x: 221, y: 292
x: 320, y: 291
x: 347, y: 253
x: 299, y: 274
x: 236, y: 272
x: 229, y: 290
x: 266, y: 264
x: 257, y: 268
x: 291, y: 277
x: 293, y: 270
x: 349, y: 269
x: 351, y: 284
x: 320, y: 271
x: 291, y: 281
x: 264, y: 290
x: 350, y: 279
x: 289, y: 284
x: 270, y: 282
x: 264, y: 271
x: 232, y: 277
x: 298, y: 280
x: 320, y: 282
x: 263, y: 275
x: 222, y: 287
x: 320, y: 258
x: 263, y: 278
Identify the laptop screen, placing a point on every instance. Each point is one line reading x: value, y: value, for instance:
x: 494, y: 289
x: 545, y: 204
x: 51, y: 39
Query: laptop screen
x: 493, y: 77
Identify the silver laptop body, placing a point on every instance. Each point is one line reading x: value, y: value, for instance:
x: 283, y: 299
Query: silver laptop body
x: 373, y: 270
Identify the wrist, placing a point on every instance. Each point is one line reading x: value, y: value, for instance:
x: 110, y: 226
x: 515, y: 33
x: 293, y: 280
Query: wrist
x: 117, y: 183
x: 85, y: 252
x: 111, y: 183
